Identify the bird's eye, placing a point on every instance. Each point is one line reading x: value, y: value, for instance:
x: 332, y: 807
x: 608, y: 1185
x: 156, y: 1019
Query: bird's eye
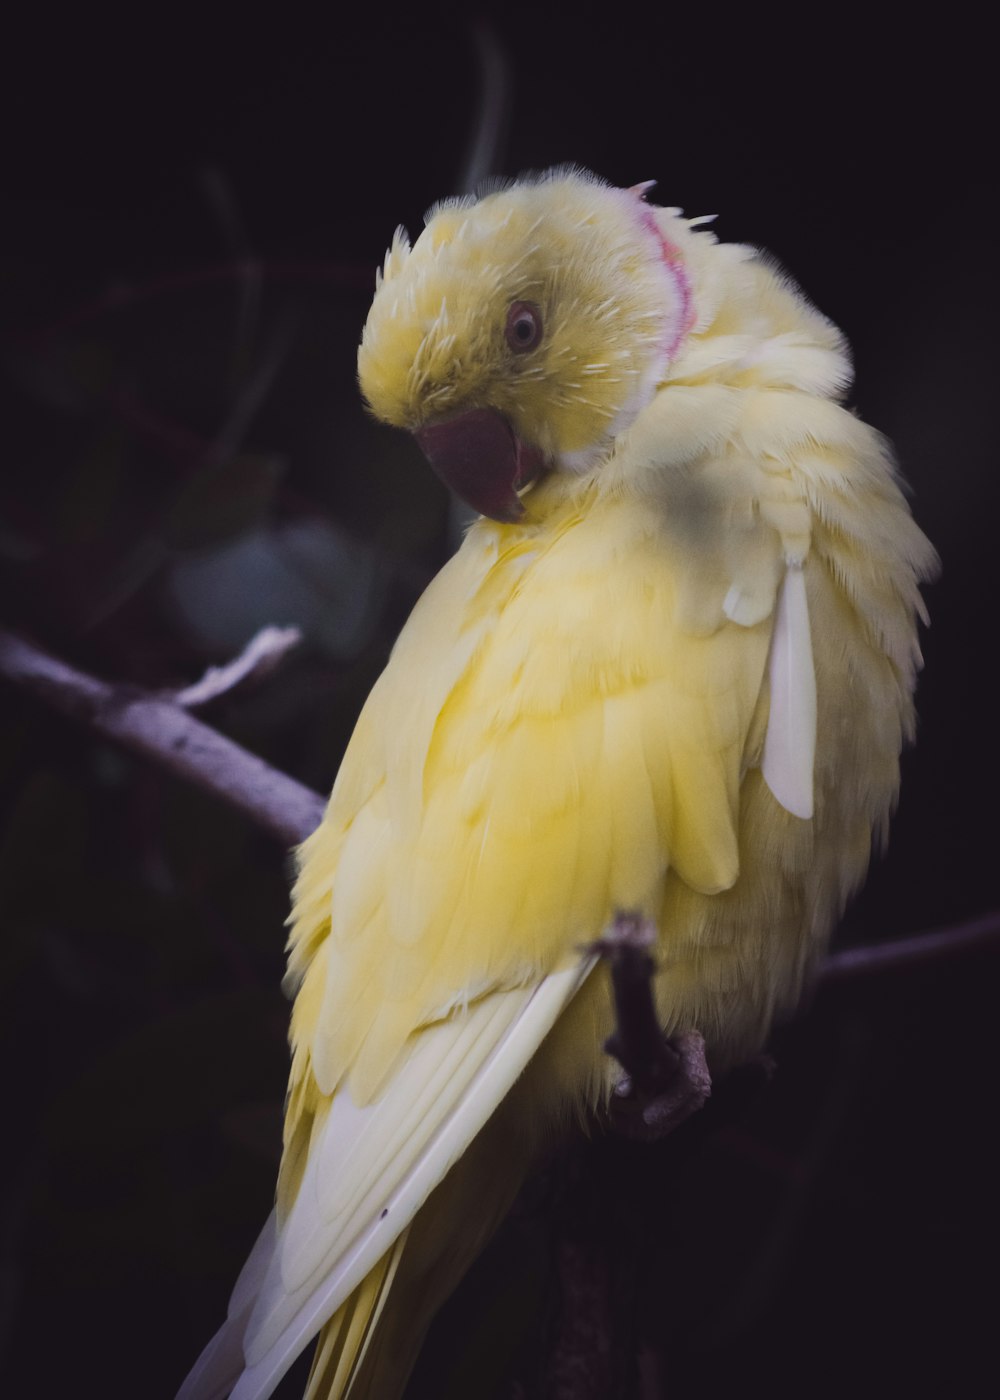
x: 524, y: 327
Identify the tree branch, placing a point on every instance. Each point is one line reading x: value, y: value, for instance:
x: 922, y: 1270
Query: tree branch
x: 927, y: 946
x: 161, y: 730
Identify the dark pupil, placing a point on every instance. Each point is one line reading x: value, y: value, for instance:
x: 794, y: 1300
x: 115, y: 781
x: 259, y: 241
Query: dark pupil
x: 524, y: 329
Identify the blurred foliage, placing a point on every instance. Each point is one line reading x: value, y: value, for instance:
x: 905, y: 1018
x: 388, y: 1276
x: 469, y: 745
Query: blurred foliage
x: 148, y: 479
x: 189, y: 246
x: 152, y: 526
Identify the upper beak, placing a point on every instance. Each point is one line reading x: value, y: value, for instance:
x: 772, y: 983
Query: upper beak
x: 482, y: 459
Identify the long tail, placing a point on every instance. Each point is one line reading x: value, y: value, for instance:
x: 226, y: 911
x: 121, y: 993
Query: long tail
x: 219, y: 1366
x: 344, y: 1342
x: 369, y: 1347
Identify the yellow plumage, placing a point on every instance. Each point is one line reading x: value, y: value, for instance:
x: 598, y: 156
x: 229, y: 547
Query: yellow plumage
x: 709, y: 597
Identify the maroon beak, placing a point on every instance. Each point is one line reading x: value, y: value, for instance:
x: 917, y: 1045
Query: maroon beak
x: 482, y: 459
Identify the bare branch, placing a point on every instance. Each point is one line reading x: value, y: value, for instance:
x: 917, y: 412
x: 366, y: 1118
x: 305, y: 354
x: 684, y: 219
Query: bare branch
x: 258, y: 659
x: 927, y: 946
x: 161, y: 730
x: 665, y: 1081
x: 590, y: 1329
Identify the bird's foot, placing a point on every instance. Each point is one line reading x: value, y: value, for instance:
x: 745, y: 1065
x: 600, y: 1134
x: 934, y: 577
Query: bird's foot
x: 645, y: 1115
x: 664, y: 1081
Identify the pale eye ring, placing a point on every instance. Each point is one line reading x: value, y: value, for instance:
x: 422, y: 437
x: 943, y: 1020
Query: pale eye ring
x: 524, y: 326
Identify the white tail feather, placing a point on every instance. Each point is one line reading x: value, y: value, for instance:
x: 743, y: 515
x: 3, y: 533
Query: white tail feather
x: 367, y: 1176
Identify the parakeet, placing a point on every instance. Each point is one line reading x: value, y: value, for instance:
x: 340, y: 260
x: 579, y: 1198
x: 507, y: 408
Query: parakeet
x: 670, y: 669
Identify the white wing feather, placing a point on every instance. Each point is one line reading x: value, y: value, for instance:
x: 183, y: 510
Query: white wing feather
x: 790, y: 742
x: 219, y: 1366
x: 369, y: 1171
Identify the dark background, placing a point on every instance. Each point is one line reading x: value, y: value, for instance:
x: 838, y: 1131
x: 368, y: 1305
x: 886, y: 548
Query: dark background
x: 192, y: 212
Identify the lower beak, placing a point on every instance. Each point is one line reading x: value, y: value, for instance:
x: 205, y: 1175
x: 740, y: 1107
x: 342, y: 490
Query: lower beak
x: 480, y: 457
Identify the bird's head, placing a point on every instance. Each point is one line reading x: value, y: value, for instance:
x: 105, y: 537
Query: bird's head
x: 523, y: 331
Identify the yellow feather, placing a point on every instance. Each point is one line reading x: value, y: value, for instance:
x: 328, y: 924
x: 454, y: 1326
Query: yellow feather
x: 345, y: 1339
x: 573, y: 721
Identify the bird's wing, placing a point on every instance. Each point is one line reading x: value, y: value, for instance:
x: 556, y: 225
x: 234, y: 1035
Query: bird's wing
x: 568, y: 716
x: 369, y: 1170
x: 220, y: 1364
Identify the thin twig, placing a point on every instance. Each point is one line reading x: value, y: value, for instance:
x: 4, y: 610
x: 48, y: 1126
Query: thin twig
x: 489, y: 131
x: 483, y: 157
x: 259, y: 658
x: 161, y: 730
x: 928, y: 946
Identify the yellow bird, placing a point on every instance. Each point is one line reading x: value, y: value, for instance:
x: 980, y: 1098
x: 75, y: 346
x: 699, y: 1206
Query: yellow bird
x: 670, y: 669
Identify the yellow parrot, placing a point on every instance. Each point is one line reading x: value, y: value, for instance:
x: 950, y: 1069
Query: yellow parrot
x: 669, y: 670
